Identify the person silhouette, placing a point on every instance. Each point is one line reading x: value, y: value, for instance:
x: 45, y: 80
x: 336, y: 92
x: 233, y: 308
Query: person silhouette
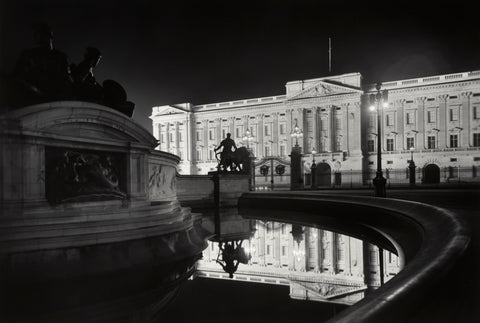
x: 227, y: 144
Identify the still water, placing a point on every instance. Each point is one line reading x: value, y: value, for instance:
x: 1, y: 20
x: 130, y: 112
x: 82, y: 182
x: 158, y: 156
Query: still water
x: 263, y: 270
x: 252, y: 269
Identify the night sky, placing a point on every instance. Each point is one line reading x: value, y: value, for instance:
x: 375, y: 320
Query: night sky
x: 213, y: 51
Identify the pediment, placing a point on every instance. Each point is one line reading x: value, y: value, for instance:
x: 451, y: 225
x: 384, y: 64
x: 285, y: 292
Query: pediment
x: 323, y: 89
x: 169, y: 109
x: 328, y: 291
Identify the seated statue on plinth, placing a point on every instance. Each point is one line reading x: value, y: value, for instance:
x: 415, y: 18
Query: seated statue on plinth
x: 42, y: 74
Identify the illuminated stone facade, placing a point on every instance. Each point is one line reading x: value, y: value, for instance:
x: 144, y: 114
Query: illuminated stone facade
x: 317, y: 265
x: 438, y: 116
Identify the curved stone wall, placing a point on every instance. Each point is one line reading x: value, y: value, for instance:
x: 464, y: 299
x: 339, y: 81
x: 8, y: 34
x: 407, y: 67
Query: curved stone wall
x: 430, y: 240
x: 77, y: 174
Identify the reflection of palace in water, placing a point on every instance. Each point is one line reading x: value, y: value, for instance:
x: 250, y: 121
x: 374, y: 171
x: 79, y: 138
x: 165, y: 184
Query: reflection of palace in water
x: 317, y: 264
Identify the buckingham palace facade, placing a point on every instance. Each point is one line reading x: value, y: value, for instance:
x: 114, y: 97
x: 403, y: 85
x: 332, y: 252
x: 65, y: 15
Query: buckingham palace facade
x: 434, y: 119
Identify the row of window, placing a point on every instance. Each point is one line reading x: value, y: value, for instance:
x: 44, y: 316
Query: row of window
x: 431, y: 116
x: 431, y: 142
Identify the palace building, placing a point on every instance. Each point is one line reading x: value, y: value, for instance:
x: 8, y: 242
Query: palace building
x: 434, y: 119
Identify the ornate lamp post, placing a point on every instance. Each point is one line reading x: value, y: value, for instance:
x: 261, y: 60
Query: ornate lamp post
x: 296, y: 133
x: 377, y: 101
x: 313, y: 169
x: 411, y: 167
x: 248, y: 137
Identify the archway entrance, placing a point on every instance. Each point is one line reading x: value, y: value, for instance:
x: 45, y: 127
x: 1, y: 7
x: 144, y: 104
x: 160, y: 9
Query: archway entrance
x: 431, y: 174
x: 324, y: 174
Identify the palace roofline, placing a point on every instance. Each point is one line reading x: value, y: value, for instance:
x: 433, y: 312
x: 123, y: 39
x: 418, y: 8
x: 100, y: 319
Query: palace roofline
x: 334, y: 79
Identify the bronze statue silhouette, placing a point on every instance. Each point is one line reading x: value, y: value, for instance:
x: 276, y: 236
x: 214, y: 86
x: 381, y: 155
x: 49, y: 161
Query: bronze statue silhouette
x: 85, y: 85
x: 233, y: 161
x: 41, y: 74
x: 226, y: 162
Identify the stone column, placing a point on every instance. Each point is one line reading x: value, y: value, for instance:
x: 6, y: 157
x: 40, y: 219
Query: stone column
x: 301, y: 125
x: 348, y: 258
x: 315, y: 128
x: 420, y: 122
x: 176, y: 138
x: 333, y: 252
x: 275, y: 135
x: 289, y: 127
x: 205, y: 141
x: 442, y: 121
x: 399, y: 119
x: 466, y: 114
x: 167, y: 137
x: 333, y: 130
x: 260, y: 150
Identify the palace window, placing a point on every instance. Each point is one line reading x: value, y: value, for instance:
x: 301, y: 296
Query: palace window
x: 371, y: 145
x: 199, y: 155
x: 238, y: 132
x: 390, y: 119
x: 199, y: 135
x: 211, y: 134
x: 338, y: 144
x: 431, y: 142
x: 170, y: 136
x: 389, y: 144
x: 268, y: 130
x: 282, y: 151
x: 282, y: 128
x: 431, y: 117
x: 338, y: 124
x: 211, y: 155
x: 476, y: 140
x: 410, y: 118
x: 284, y: 250
x: 323, y: 125
x: 453, y: 141
x: 476, y: 112
x: 162, y: 138
x: 454, y: 114
x: 410, y: 142
x: 224, y: 132
x: 371, y: 120
x: 267, y: 151
x: 180, y: 138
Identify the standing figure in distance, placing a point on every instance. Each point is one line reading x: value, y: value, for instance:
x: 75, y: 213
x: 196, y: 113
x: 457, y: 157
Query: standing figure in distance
x: 226, y: 154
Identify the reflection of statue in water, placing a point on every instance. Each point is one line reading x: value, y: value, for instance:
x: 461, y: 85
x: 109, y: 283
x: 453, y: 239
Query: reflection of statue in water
x: 234, y: 161
x: 41, y: 74
x: 232, y: 255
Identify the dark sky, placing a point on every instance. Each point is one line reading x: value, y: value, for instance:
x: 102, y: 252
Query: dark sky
x: 212, y: 51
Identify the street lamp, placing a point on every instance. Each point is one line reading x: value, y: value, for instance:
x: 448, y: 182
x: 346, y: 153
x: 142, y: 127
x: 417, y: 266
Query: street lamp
x: 411, y: 167
x: 313, y: 169
x: 296, y: 133
x: 248, y: 137
x: 377, y: 101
